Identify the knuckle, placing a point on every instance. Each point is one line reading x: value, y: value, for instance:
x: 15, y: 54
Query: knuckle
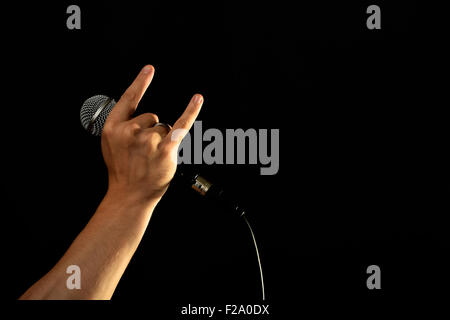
x: 154, y: 138
x: 150, y: 139
x: 128, y: 96
x: 132, y: 129
x: 142, y: 138
x: 153, y: 116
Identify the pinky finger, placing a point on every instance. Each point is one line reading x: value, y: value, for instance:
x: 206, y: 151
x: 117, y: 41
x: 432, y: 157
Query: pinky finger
x: 185, y: 122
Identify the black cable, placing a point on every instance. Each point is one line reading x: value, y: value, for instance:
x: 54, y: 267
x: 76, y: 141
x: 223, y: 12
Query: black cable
x: 216, y: 194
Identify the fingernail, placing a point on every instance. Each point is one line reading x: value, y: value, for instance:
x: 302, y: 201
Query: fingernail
x: 147, y: 69
x: 198, y: 99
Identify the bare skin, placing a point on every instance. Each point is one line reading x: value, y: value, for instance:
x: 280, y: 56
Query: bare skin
x: 141, y: 162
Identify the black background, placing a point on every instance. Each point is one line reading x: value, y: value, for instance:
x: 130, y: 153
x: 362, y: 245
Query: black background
x: 363, y: 173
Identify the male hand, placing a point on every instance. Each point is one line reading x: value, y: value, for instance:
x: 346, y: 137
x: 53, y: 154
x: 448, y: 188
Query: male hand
x: 142, y: 159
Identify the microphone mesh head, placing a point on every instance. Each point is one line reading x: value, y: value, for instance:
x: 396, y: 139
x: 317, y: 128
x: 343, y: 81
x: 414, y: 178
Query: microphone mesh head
x: 92, y: 120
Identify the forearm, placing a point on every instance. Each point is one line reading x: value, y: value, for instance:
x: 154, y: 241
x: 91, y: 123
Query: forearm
x: 141, y: 159
x: 102, y: 251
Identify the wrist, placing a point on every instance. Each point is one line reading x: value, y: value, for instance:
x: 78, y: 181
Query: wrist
x: 132, y: 201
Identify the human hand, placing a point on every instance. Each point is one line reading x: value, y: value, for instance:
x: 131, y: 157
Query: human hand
x: 142, y: 159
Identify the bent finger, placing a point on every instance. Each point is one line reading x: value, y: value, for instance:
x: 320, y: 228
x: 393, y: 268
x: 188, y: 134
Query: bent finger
x: 145, y: 120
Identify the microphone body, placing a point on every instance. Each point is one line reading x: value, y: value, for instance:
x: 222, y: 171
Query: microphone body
x: 210, y: 191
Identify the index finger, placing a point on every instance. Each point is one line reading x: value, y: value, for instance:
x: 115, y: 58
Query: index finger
x: 185, y: 122
x: 128, y: 102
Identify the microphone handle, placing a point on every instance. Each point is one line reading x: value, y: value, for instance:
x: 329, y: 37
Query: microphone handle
x: 210, y: 191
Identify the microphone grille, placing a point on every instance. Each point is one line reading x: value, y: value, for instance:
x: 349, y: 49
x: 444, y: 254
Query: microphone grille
x: 94, y: 112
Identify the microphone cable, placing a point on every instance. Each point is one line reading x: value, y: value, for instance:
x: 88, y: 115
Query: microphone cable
x: 217, y: 194
x: 257, y: 256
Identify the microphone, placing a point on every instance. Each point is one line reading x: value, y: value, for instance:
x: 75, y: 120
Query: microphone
x: 93, y: 115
